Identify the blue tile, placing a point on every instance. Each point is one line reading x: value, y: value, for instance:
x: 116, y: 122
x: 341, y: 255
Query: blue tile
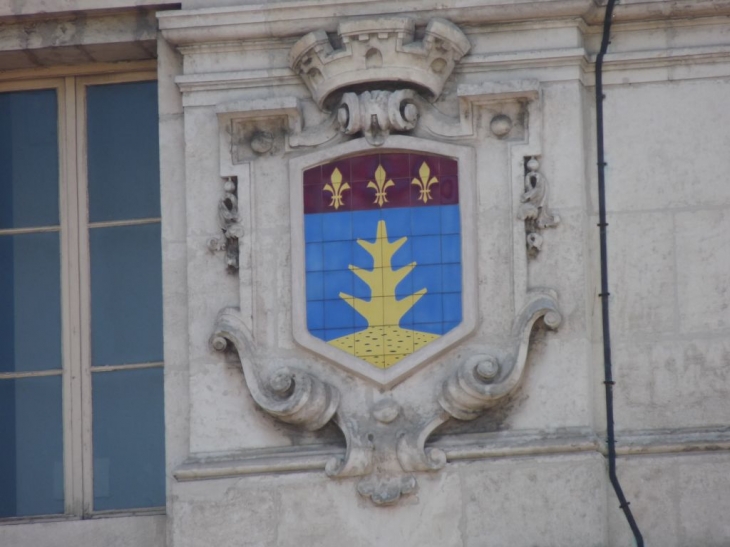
x: 338, y: 315
x: 405, y: 287
x: 318, y: 333
x: 450, y: 325
x: 403, y: 256
x: 428, y: 276
x: 426, y: 221
x: 360, y: 257
x: 433, y: 328
x: 337, y: 281
x: 337, y: 255
x: 428, y: 309
x: 450, y: 219
x: 315, y: 315
x: 365, y: 224
x: 451, y: 277
x: 406, y: 321
x: 360, y: 323
x: 315, y: 286
x: 426, y: 249
x: 397, y: 222
x: 359, y: 288
x: 332, y: 334
x: 312, y: 228
x: 337, y: 227
x: 451, y: 307
x: 451, y: 248
x: 314, y: 259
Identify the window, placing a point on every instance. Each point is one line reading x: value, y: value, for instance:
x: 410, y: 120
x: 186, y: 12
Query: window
x: 81, y: 379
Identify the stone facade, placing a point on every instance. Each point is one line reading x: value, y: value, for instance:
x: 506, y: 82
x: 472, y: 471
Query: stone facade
x: 496, y: 435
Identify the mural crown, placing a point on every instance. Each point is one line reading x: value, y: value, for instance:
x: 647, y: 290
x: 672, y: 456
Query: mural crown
x: 378, y: 50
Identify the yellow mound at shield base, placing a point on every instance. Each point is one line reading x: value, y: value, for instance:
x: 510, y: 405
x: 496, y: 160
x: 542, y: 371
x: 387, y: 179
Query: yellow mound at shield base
x: 383, y: 347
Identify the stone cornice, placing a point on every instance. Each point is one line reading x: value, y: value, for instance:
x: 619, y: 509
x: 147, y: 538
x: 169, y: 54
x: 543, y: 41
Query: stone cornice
x: 473, y: 447
x: 296, y: 18
x: 12, y: 11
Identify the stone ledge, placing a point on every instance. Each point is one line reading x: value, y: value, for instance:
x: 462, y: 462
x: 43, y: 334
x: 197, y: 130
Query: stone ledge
x: 296, y: 18
x: 671, y: 441
x: 462, y: 448
x: 42, y: 9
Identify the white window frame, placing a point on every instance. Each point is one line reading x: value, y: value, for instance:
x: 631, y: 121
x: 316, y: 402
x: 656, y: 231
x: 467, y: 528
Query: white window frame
x: 70, y: 84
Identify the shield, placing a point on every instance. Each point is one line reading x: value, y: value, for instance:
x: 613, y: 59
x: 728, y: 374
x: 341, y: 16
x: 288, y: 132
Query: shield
x: 383, y: 267
x: 382, y: 260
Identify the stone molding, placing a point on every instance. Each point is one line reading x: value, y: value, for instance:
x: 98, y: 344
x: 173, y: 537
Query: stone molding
x: 280, y: 121
x: 483, y: 446
x: 261, y: 21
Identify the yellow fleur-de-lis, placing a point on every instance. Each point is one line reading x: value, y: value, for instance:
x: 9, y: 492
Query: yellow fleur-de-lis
x: 425, y: 183
x: 381, y: 186
x: 336, y: 189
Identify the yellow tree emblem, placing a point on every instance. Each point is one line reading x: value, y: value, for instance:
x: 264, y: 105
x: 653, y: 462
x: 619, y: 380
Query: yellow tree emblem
x: 425, y: 183
x: 382, y: 308
x: 383, y: 343
x: 336, y: 188
x: 381, y: 186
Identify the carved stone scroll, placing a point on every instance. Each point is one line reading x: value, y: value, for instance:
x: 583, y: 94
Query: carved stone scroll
x: 376, y: 113
x: 292, y: 395
x: 485, y: 379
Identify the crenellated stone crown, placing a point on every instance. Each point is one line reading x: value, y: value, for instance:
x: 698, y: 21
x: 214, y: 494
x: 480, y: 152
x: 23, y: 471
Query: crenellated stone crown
x: 378, y: 50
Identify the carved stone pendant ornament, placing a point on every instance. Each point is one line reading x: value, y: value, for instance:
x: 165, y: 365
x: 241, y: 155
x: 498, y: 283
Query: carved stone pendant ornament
x: 230, y: 224
x: 534, y: 209
x: 384, y: 261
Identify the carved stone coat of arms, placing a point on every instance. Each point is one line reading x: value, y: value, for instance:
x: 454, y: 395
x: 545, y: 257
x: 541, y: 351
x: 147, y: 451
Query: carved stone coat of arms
x: 386, y: 260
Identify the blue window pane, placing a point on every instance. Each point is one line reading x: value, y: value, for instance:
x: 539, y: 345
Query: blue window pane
x: 29, y: 159
x: 123, y: 151
x: 126, y: 295
x: 31, y: 447
x: 30, y: 302
x: 129, y: 439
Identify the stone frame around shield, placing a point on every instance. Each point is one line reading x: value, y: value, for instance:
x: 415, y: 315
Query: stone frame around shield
x: 387, y: 377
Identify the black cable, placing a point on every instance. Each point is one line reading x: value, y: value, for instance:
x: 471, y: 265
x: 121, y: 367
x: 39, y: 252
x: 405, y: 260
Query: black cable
x: 602, y: 224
